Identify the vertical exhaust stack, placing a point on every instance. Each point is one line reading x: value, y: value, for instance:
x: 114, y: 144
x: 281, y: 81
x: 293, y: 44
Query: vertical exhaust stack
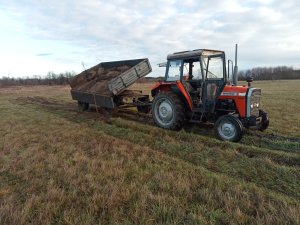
x: 235, y: 72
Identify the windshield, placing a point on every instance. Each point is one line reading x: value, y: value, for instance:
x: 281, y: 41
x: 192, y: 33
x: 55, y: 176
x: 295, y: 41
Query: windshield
x: 215, y: 67
x: 174, y: 70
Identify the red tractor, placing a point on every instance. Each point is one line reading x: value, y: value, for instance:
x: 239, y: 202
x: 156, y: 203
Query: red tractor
x: 196, y: 88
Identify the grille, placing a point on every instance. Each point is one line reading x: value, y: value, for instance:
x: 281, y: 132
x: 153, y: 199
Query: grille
x: 255, y: 102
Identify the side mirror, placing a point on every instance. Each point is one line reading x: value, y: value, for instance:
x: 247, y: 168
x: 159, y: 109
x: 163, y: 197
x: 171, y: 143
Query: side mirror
x: 249, y: 80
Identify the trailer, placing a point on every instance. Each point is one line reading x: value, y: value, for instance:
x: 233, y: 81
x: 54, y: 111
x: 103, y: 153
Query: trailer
x: 106, y: 85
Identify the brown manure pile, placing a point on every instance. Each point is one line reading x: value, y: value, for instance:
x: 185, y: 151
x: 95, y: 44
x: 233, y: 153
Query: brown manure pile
x: 96, y: 79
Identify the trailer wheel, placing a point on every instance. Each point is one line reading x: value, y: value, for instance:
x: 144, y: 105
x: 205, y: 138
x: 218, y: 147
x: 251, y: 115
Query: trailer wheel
x: 83, y: 106
x: 143, y: 108
x: 168, y: 111
x: 229, y: 128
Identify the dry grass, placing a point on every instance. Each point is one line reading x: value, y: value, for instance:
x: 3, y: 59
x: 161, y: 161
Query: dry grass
x: 58, y: 166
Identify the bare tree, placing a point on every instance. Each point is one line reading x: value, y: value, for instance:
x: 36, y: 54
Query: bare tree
x: 50, y: 79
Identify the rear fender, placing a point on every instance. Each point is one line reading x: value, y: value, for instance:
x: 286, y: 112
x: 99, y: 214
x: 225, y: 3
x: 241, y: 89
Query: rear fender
x: 177, y: 87
x: 161, y: 86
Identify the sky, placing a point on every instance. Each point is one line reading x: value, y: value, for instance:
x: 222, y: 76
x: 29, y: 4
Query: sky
x: 38, y: 36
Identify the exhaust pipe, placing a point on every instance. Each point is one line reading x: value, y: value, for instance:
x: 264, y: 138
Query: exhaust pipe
x: 235, y: 72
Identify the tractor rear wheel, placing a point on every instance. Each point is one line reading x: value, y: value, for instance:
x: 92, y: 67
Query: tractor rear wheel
x: 168, y: 111
x: 229, y: 128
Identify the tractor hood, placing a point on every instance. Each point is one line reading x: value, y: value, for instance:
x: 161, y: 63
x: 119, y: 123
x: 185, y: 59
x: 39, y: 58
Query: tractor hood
x: 243, y: 96
x: 234, y: 90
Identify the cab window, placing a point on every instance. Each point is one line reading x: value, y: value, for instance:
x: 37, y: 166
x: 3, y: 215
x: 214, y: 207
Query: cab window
x: 192, y: 70
x: 213, y: 67
x: 174, y: 70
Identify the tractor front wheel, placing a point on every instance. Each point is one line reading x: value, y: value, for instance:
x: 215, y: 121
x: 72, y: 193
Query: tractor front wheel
x: 229, y: 128
x: 168, y: 111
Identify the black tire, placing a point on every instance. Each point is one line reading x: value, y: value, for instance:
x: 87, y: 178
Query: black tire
x: 83, y: 106
x: 265, y: 120
x: 168, y: 111
x: 228, y: 128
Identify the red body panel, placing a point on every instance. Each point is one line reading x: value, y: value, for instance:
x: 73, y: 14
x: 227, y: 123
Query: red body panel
x: 238, y: 94
x: 165, y: 86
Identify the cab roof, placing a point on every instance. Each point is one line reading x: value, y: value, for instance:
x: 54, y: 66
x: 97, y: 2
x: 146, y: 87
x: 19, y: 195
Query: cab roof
x: 193, y: 54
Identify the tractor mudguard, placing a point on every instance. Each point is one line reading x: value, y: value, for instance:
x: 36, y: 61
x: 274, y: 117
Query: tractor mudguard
x: 170, y: 86
x: 185, y: 94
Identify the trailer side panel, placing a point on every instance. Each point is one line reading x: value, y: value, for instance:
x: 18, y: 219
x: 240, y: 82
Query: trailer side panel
x: 93, y: 98
x: 120, y: 83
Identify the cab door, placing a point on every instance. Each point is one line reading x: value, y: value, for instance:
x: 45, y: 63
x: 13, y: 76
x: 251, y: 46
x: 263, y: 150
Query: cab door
x: 215, y: 80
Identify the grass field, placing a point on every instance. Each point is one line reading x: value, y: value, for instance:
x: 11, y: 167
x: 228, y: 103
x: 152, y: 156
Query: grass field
x: 59, y: 166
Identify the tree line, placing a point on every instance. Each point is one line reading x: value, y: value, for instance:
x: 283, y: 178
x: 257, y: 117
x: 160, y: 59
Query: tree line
x: 50, y: 79
x: 270, y: 73
x: 258, y: 73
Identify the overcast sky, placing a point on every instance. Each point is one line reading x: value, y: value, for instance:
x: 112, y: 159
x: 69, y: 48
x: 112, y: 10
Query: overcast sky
x: 37, y: 36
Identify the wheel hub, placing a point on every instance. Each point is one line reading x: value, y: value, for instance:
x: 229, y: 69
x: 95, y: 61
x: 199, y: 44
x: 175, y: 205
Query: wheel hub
x: 165, y: 111
x: 228, y: 130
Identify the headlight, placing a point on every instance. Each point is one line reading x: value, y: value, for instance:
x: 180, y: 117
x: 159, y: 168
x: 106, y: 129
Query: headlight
x: 254, y: 105
x: 253, y: 102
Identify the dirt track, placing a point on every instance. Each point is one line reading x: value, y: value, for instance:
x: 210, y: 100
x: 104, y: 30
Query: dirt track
x: 103, y: 114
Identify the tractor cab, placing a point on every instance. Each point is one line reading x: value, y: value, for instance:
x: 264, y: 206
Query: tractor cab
x: 202, y: 74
